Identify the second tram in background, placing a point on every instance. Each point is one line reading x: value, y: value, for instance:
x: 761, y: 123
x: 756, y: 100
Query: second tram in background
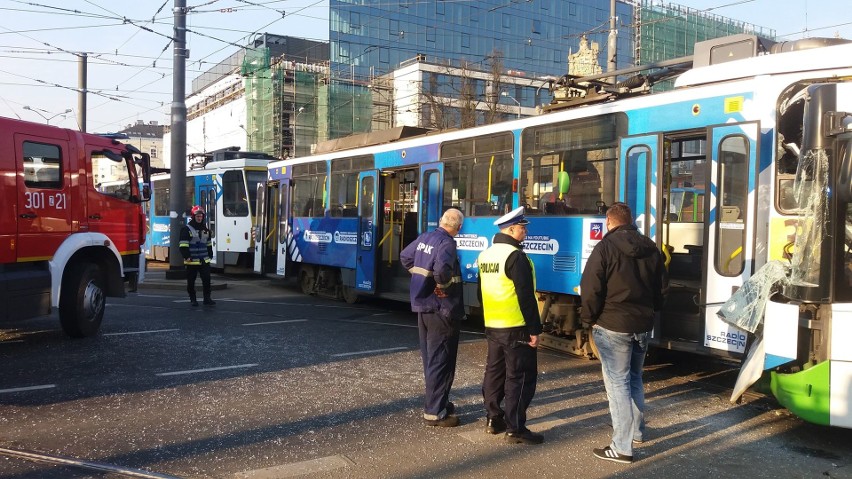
x: 224, y: 182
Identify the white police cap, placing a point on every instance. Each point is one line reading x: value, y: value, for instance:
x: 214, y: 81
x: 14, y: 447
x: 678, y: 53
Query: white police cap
x: 514, y: 217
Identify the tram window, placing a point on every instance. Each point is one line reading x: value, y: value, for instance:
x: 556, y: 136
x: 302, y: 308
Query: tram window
x: 367, y: 198
x: 478, y: 175
x: 252, y: 180
x: 161, y: 198
x: 234, y: 199
x: 344, y: 188
x: 308, y: 196
x: 571, y: 167
x: 344, y: 184
x: 732, y: 203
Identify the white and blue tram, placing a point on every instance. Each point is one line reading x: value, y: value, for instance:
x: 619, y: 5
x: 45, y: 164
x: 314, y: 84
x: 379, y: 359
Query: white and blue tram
x: 744, y: 162
x: 224, y: 182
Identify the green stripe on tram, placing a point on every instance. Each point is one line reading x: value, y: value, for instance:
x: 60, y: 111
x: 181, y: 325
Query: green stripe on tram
x: 806, y: 394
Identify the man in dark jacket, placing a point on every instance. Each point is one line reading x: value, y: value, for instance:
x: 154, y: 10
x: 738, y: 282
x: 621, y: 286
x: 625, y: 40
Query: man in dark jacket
x: 196, y: 247
x: 436, y: 297
x: 512, y: 328
x: 621, y: 290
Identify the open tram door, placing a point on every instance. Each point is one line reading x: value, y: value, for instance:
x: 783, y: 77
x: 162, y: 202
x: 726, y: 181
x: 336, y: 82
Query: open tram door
x: 365, y: 261
x: 430, y: 195
x: 639, y: 180
x: 731, y: 216
x: 270, y: 247
x: 205, y: 193
x: 639, y: 186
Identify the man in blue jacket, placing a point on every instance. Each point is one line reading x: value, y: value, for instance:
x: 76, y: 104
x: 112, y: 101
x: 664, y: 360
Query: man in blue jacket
x: 436, y: 297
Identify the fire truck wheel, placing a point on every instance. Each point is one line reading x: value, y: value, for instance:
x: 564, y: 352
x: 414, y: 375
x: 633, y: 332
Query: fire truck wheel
x: 82, y: 301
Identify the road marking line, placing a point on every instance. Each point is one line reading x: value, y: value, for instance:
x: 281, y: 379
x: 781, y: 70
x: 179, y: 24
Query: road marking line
x: 276, y: 322
x: 206, y: 370
x: 276, y: 303
x: 369, y: 352
x: 321, y: 464
x: 127, y: 333
x: 28, y: 388
x: 12, y: 341
x: 89, y: 465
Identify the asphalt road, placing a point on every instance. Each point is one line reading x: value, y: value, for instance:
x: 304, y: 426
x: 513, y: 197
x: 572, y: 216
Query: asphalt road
x: 270, y: 383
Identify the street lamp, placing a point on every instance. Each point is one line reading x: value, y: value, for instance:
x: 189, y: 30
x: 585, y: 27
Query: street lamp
x: 296, y: 117
x: 248, y: 135
x: 38, y: 111
x: 506, y: 94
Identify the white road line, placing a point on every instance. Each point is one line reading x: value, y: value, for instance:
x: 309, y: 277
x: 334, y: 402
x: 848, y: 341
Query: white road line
x: 135, y: 306
x: 276, y: 303
x: 368, y: 352
x: 28, y: 388
x: 322, y: 464
x: 12, y: 341
x: 141, y: 332
x: 276, y: 322
x: 206, y: 370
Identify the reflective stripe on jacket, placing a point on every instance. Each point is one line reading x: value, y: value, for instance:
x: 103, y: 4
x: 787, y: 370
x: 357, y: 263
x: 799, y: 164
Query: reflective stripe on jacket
x: 433, y: 263
x: 198, y: 243
x: 500, y: 304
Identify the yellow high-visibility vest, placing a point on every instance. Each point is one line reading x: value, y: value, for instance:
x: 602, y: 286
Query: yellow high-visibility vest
x: 499, y: 299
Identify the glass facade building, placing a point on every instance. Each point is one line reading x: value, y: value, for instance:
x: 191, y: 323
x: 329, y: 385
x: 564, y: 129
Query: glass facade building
x: 369, y: 38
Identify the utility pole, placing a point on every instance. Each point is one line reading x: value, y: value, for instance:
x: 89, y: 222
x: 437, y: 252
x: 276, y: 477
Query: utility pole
x: 82, y: 81
x: 611, y: 43
x: 177, y: 182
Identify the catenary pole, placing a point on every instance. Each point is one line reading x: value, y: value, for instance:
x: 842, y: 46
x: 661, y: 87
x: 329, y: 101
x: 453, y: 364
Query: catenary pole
x: 82, y: 81
x: 177, y: 181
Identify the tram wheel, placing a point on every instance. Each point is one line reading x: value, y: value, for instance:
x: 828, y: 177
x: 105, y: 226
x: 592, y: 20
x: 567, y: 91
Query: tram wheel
x: 306, y: 282
x: 349, y: 294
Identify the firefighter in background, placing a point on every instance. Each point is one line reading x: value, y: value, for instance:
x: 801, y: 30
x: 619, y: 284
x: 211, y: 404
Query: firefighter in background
x: 196, y: 246
x: 512, y: 328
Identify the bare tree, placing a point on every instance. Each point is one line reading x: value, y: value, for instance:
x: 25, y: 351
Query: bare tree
x: 492, y: 94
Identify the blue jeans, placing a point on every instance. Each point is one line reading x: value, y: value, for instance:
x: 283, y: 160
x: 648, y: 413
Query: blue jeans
x: 622, y: 358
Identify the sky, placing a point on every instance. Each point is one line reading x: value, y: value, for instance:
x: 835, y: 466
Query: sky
x: 130, y: 53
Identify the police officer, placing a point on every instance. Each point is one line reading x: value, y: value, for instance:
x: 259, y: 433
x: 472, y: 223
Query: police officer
x: 436, y: 297
x: 196, y: 246
x: 512, y: 327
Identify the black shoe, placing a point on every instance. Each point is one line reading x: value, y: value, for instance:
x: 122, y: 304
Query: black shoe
x: 451, y: 408
x: 449, y: 421
x: 495, y: 425
x: 194, y: 302
x: 525, y: 437
x: 607, y: 454
x: 208, y: 302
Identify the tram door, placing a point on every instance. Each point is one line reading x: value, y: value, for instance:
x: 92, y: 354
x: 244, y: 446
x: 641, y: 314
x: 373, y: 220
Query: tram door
x: 205, y: 193
x: 639, y: 182
x: 430, y: 195
x: 731, y: 208
x: 365, y: 262
x: 265, y: 232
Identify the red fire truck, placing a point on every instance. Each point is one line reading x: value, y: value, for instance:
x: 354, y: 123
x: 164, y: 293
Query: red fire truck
x: 72, y: 222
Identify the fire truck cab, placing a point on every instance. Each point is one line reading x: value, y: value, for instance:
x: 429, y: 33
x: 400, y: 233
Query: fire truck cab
x: 72, y: 222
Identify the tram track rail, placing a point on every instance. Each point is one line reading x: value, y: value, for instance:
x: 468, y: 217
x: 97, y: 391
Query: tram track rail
x: 58, y: 460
